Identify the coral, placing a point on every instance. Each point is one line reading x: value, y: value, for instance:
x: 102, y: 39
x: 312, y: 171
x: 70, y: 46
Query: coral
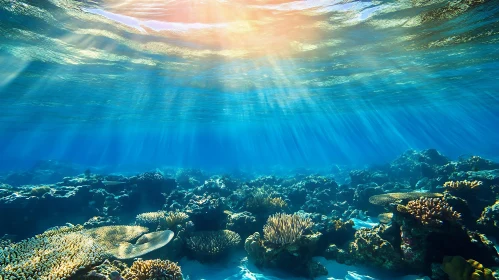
x: 56, y: 254
x: 150, y: 219
x: 106, y: 270
x: 243, y: 223
x: 430, y: 211
x: 385, y: 218
x: 462, y: 185
x: 339, y: 232
x: 153, y: 270
x: 40, y: 191
x: 369, y: 247
x: 261, y: 202
x: 387, y: 198
x: 206, y: 245
x: 99, y: 221
x: 112, y: 240
x: 284, y: 229
x: 489, y: 219
x: 175, y: 218
x: 109, y: 236
x: 145, y: 244
x: 295, y: 259
x: 207, y: 212
x: 458, y: 268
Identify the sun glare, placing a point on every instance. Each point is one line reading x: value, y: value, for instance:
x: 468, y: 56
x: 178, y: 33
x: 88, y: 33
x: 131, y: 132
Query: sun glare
x: 229, y: 28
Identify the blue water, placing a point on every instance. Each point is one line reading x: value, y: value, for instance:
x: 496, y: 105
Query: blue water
x: 312, y: 84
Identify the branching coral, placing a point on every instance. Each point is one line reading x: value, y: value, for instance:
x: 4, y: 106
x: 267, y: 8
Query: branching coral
x: 457, y: 268
x: 153, y: 269
x: 173, y: 219
x: 462, y: 185
x: 212, y: 243
x: 430, y: 211
x: 284, y: 229
x: 387, y: 198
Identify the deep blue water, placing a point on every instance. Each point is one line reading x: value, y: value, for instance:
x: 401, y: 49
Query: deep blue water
x: 354, y: 83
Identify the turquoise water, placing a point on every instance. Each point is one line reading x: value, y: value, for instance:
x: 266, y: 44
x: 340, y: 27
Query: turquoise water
x: 246, y: 84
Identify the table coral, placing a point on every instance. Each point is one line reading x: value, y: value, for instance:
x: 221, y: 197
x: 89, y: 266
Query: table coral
x: 387, y: 198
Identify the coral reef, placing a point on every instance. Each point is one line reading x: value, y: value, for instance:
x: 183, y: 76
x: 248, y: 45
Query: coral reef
x: 150, y: 220
x: 426, y: 204
x: 56, y: 254
x: 210, y: 245
x: 284, y: 229
x: 172, y: 219
x: 457, y: 268
x: 368, y: 248
x: 489, y: 219
x: 430, y: 211
x: 462, y: 185
x: 153, y: 269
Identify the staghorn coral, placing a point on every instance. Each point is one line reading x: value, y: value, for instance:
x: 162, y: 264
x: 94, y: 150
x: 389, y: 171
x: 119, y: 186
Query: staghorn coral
x: 430, y: 211
x: 457, y: 268
x: 208, y: 244
x: 153, y: 270
x: 284, y: 229
x: 150, y: 219
x: 387, y: 198
x: 54, y: 255
x: 462, y: 185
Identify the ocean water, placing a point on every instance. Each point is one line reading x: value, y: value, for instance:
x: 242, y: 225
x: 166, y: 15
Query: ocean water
x: 260, y: 87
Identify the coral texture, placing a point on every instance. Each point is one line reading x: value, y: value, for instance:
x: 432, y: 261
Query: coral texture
x: 283, y: 229
x: 153, y: 270
x: 430, y: 211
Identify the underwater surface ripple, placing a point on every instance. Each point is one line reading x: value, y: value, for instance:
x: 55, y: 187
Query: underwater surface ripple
x: 399, y: 73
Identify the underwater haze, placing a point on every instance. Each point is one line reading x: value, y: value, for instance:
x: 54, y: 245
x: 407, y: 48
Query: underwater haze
x: 246, y: 84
